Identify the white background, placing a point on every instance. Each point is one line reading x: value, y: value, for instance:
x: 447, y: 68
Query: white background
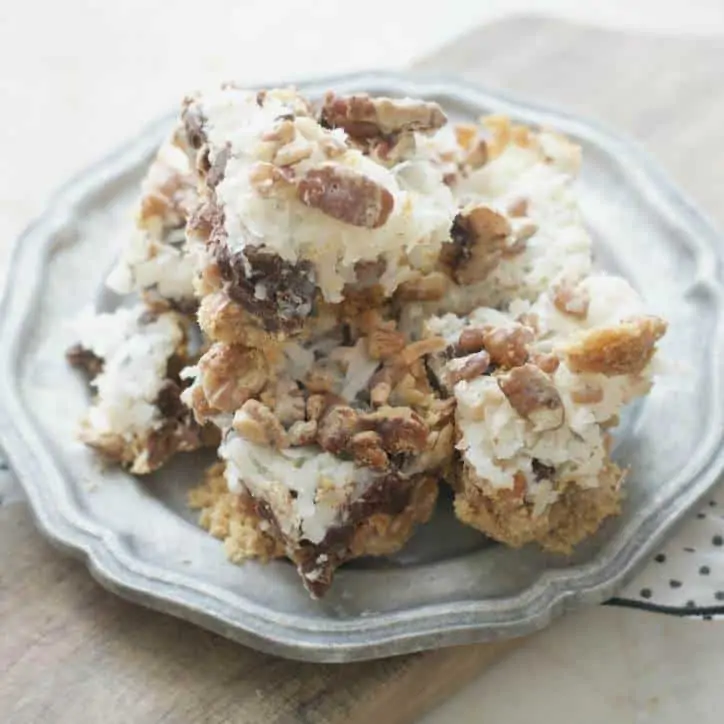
x: 78, y: 77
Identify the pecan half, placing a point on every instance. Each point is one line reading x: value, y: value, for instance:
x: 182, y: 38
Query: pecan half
x: 364, y: 117
x: 622, y: 350
x: 478, y: 239
x: 533, y: 396
x: 346, y: 195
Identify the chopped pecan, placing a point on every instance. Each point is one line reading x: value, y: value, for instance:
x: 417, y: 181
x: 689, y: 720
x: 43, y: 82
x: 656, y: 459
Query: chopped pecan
x: 441, y: 412
x: 232, y: 374
x: 533, y: 396
x: 410, y: 390
x: 302, y: 432
x: 549, y: 363
x: 430, y: 287
x: 346, y: 195
x: 467, y: 368
x: 471, y: 339
x: 289, y: 406
x: 477, y: 156
x: 385, y: 341
x: 364, y: 117
x: 478, y: 238
x: 572, y: 299
x: 281, y: 133
x: 256, y: 422
x: 320, y: 378
x: 390, y: 150
x: 270, y: 180
x: 202, y: 410
x: 367, y: 450
x: 508, y: 346
x: 530, y: 320
x: 418, y: 349
x: 293, y: 153
x: 401, y: 429
x: 336, y: 428
x: 622, y: 350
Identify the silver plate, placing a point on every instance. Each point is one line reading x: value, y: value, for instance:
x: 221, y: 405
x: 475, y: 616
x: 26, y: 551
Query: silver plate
x: 449, y: 586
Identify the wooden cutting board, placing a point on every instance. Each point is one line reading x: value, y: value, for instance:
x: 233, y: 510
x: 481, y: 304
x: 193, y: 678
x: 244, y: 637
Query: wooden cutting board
x: 71, y: 652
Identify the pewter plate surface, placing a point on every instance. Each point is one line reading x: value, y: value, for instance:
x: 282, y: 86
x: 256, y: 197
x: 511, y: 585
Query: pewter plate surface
x: 449, y: 585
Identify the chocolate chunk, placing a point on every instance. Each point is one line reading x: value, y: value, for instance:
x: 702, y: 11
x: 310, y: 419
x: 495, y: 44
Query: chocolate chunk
x: 85, y: 360
x: 169, y: 402
x: 280, y: 294
x: 542, y: 471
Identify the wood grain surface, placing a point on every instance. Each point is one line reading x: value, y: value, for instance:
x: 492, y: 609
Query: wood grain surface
x: 71, y: 652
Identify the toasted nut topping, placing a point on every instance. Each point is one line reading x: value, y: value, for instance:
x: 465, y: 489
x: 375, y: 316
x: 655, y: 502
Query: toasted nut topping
x: 427, y: 288
x: 270, y: 180
x: 385, y: 341
x: 289, y: 406
x: 418, y: 349
x: 471, y: 339
x: 303, y: 432
x: 400, y: 429
x: 231, y: 374
x: 346, y: 196
x: 467, y: 368
x: 478, y: 240
x: 256, y: 422
x: 549, y: 363
x: 508, y: 346
x: 571, y: 299
x: 336, y: 428
x: 622, y: 350
x: 364, y: 117
x: 533, y: 396
x: 367, y: 450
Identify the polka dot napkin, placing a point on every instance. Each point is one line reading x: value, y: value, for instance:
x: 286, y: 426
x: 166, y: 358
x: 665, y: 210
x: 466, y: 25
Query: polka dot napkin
x: 685, y: 578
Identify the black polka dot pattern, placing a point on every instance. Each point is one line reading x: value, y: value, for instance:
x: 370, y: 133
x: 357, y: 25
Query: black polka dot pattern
x: 686, y: 577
